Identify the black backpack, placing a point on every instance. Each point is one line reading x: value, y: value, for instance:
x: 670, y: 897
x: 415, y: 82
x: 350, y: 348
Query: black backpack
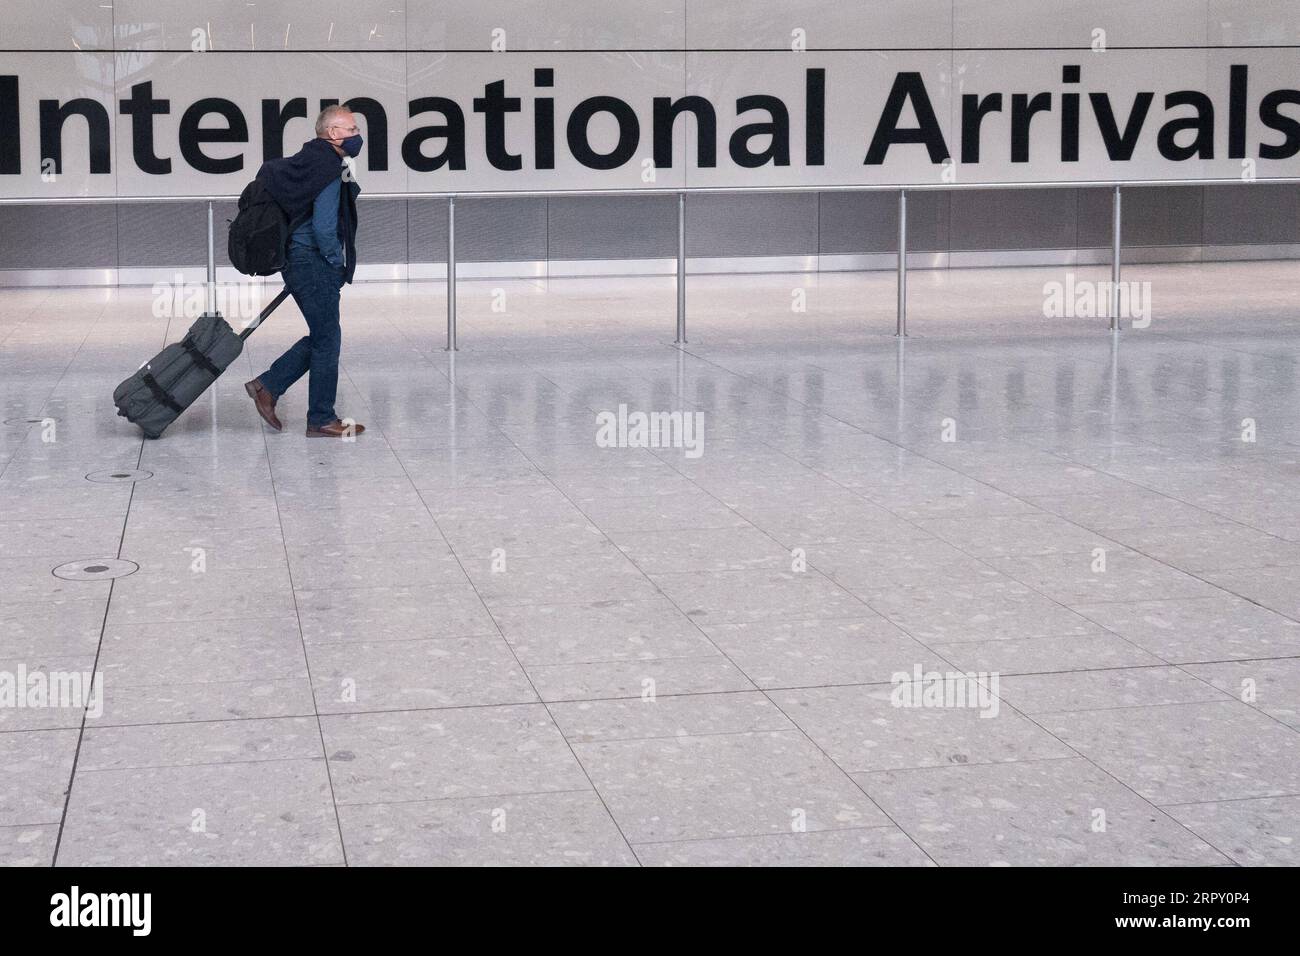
x: 259, y: 235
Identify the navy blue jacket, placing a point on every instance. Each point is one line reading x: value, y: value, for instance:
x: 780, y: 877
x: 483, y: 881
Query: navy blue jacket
x: 320, y: 232
x: 296, y: 181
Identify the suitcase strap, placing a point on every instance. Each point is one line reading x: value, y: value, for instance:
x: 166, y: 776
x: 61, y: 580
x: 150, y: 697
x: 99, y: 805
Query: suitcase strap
x: 160, y: 393
x: 201, y: 360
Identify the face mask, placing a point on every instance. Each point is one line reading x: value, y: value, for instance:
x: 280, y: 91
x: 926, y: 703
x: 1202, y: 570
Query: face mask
x: 351, y: 145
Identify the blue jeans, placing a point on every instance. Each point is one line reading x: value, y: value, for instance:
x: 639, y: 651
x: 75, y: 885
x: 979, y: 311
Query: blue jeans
x: 315, y: 285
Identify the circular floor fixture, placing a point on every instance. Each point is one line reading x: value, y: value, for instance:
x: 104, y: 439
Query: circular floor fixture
x: 119, y: 475
x: 95, y: 569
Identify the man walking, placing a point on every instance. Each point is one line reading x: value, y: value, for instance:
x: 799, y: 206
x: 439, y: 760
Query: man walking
x: 320, y: 197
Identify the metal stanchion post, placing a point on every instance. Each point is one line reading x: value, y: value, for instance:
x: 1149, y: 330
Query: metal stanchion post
x: 900, y: 381
x: 901, y: 329
x: 212, y: 265
x: 1117, y: 219
x: 681, y: 269
x: 451, y: 274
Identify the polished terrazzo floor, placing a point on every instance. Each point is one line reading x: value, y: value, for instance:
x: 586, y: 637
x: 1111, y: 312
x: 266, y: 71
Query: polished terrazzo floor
x: 475, y: 636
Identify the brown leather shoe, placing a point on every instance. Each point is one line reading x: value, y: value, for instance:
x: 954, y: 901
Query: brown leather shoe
x: 264, y: 401
x: 335, y: 429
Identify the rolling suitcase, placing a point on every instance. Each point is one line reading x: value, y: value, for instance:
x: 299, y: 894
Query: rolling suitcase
x: 169, y: 383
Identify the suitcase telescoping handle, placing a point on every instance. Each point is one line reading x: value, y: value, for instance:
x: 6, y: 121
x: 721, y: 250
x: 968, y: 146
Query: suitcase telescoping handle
x: 248, y: 329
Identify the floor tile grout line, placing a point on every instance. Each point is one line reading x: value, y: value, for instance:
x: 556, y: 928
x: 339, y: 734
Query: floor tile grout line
x: 1190, y: 599
x: 848, y: 775
x: 55, y: 387
x: 311, y: 684
x: 103, y: 626
x: 1224, y: 699
x: 1191, y: 574
x: 81, y: 736
x: 720, y: 651
x: 1031, y: 588
x: 1214, y: 517
x: 765, y: 835
x: 1255, y: 706
x: 728, y: 658
x: 510, y: 649
x: 564, y: 791
x: 921, y: 453
x: 904, y: 630
x: 28, y: 826
x: 1202, y: 803
x: 202, y: 763
x: 981, y: 559
x: 1027, y: 717
x: 1124, y: 784
x: 693, y: 735
x: 1018, y: 761
x: 773, y: 688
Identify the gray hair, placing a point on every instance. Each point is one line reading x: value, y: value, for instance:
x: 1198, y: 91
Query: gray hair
x: 327, y: 117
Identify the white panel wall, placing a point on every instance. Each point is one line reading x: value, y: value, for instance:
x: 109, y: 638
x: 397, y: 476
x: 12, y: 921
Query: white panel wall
x: 57, y: 25
x: 862, y: 25
x: 994, y: 24
x: 266, y: 25
x: 532, y: 25
x: 1258, y: 22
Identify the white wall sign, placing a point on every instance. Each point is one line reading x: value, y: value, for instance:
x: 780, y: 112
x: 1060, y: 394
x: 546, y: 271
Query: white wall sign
x: 154, y: 122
